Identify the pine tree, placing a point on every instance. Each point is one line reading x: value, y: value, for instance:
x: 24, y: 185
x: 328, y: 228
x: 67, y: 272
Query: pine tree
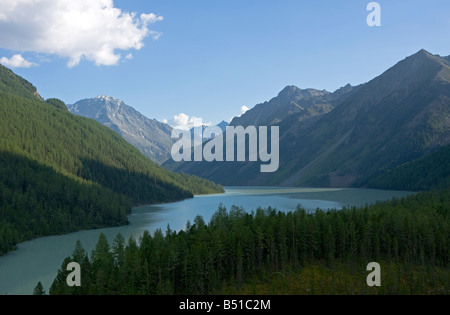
x: 79, y: 253
x: 39, y: 289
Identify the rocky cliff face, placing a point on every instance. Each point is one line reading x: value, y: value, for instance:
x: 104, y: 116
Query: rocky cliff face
x: 150, y: 136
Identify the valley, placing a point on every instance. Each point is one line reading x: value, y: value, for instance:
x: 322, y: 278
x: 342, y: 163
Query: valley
x: 362, y: 173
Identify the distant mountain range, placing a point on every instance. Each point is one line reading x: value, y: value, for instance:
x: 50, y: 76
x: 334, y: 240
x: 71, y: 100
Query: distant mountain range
x: 150, y: 136
x: 223, y: 127
x: 352, y: 136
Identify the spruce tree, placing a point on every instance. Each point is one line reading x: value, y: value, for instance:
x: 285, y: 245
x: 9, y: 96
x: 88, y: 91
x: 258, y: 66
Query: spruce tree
x: 39, y: 289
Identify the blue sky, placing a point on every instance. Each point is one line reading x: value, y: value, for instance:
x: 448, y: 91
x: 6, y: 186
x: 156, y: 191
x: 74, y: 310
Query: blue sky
x: 209, y: 58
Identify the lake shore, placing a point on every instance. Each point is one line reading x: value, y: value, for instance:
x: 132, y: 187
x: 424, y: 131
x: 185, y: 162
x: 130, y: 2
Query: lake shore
x: 39, y: 259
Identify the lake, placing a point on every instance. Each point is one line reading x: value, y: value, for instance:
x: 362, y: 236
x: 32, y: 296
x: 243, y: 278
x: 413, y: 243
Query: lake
x: 39, y: 259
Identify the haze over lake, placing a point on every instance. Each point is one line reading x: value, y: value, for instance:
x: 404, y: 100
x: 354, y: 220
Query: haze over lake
x: 39, y: 260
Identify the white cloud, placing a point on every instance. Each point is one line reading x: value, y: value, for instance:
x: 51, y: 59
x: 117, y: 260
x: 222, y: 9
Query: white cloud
x: 16, y: 61
x: 150, y: 18
x: 155, y: 35
x: 244, y: 109
x: 185, y: 122
x: 83, y: 29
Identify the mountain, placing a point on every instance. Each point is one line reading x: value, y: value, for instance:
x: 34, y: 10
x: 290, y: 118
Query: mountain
x: 397, y: 117
x: 61, y: 173
x: 292, y: 100
x: 150, y: 136
x: 223, y: 125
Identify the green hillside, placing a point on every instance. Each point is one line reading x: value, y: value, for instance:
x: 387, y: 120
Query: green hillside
x: 11, y: 83
x: 429, y: 172
x: 61, y: 173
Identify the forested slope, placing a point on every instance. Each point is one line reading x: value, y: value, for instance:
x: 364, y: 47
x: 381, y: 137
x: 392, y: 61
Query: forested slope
x: 429, y: 172
x: 62, y: 173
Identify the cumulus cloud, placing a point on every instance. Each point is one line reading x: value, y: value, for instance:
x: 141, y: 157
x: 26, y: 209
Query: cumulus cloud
x: 16, y: 61
x: 185, y: 122
x: 84, y: 29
